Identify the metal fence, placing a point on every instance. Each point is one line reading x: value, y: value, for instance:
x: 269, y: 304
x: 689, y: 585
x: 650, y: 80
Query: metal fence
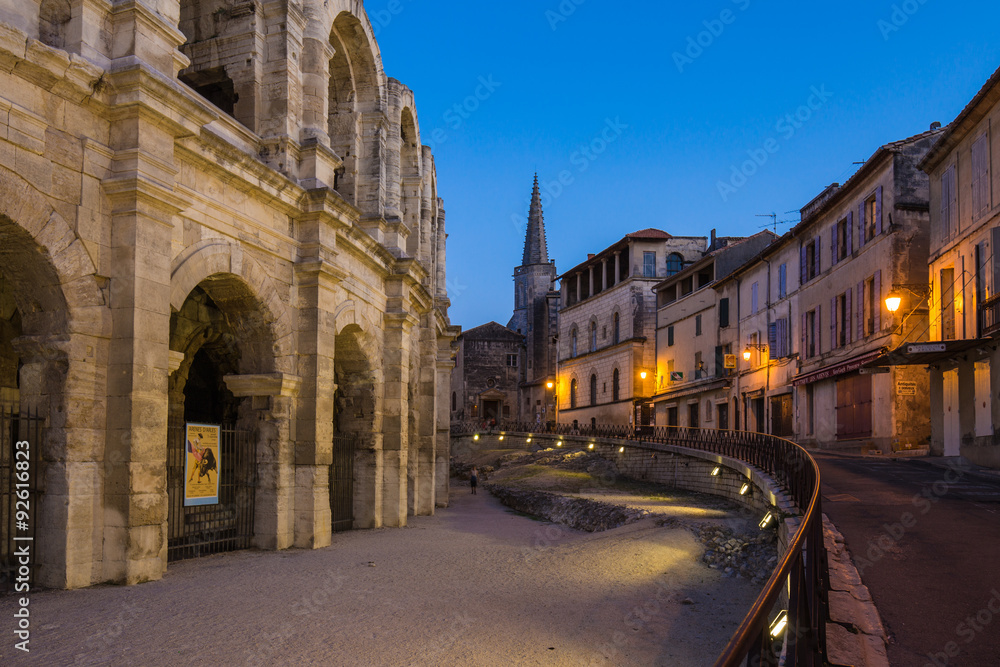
x: 20, y: 445
x: 803, y: 571
x: 342, y: 482
x: 209, y: 529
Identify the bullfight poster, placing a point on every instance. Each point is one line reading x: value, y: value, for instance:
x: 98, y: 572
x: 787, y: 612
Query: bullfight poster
x: 202, y: 462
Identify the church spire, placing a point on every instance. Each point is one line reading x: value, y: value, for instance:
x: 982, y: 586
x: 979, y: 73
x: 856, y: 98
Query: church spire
x: 535, y: 249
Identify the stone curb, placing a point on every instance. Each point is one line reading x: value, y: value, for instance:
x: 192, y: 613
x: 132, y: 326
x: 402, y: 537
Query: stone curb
x: 855, y: 634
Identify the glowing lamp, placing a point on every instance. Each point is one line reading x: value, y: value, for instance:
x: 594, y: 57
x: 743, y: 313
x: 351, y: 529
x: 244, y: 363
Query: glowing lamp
x: 621, y: 451
x: 746, y: 354
x: 893, y: 301
x: 715, y: 471
x: 766, y: 521
x: 476, y: 437
x: 643, y: 375
x: 550, y: 384
x: 745, y: 489
x: 779, y: 624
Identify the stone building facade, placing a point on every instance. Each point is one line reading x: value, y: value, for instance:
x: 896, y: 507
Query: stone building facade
x: 858, y: 242
x: 607, y: 325
x: 219, y: 211
x: 489, y: 371
x: 691, y: 380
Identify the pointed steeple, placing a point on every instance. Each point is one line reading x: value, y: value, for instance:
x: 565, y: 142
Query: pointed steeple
x: 536, y: 250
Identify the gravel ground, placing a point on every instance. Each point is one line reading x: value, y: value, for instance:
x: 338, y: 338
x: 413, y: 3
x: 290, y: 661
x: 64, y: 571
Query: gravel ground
x: 475, y: 585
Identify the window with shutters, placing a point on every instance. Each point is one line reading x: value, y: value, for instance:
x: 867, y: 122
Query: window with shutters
x: 670, y: 336
x: 754, y: 298
x: 842, y: 320
x: 871, y: 211
x: 675, y: 263
x: 980, y: 177
x: 810, y: 260
x: 572, y: 393
x: 723, y: 313
x: 949, y: 202
x: 573, y: 337
x: 871, y: 306
x: 593, y: 336
x: 512, y: 361
x: 697, y: 325
x: 841, y: 235
x: 811, y: 335
x: 777, y: 339
x: 593, y: 389
x: 782, y: 281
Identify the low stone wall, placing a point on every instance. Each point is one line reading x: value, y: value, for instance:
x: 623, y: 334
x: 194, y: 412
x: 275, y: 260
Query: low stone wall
x: 672, y: 466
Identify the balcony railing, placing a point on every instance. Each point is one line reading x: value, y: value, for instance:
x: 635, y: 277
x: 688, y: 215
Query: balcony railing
x: 803, y: 571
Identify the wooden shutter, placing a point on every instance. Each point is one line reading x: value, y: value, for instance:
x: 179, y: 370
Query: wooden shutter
x: 861, y: 225
x: 861, y: 311
x: 878, y: 211
x: 720, y: 361
x: 850, y: 233
x: 833, y: 323
x: 772, y: 339
x: 877, y: 306
x: 723, y: 313
x: 818, y: 330
x: 803, y: 265
x: 849, y: 334
x: 834, y: 246
x: 819, y: 253
x: 804, y: 338
x: 670, y: 336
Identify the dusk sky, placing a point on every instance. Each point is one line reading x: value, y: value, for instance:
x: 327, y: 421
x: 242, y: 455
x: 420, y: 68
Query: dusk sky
x: 646, y: 109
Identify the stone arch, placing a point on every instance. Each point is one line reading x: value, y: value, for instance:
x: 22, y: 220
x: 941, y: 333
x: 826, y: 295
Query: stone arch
x: 593, y: 388
x: 574, y: 392
x: 51, y: 339
x: 411, y: 182
x: 238, y: 278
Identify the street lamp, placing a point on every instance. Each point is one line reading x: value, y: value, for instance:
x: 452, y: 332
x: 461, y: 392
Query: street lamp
x: 748, y: 352
x: 895, y: 299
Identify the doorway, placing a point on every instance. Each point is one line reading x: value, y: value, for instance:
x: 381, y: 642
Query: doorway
x: 952, y: 425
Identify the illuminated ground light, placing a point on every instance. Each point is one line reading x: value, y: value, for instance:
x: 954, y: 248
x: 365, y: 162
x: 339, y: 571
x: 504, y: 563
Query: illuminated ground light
x: 715, y: 471
x: 529, y: 440
x: 745, y: 489
x: 766, y: 521
x: 591, y: 446
x: 779, y: 624
x: 501, y: 438
x: 476, y: 437
x: 559, y: 444
x: 621, y: 451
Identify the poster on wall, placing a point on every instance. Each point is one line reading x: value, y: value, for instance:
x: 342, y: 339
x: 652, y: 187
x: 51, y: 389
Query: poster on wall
x: 202, y: 461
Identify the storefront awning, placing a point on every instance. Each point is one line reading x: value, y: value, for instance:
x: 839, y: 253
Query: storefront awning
x: 925, y: 354
x: 688, y: 390
x: 842, y: 368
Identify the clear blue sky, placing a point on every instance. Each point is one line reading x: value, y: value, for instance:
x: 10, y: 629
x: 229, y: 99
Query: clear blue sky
x: 556, y: 78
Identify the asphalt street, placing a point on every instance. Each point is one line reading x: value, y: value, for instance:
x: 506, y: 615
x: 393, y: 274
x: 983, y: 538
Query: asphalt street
x: 926, y: 540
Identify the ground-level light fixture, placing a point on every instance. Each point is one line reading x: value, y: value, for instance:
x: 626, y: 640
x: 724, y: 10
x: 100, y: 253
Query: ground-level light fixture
x: 529, y: 439
x: 779, y: 624
x: 766, y: 521
x: 715, y: 471
x: 745, y: 489
x: 591, y: 446
x: 621, y: 450
x: 559, y: 444
x: 476, y: 437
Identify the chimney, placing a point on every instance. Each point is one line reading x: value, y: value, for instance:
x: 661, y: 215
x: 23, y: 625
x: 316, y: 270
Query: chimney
x: 936, y: 125
x: 590, y: 256
x: 712, y: 247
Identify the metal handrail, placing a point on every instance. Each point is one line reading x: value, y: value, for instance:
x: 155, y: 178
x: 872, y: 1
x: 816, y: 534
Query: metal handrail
x: 804, y: 565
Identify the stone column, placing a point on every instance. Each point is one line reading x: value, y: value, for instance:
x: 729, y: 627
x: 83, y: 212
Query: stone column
x: 269, y: 412
x: 371, y: 185
x: 590, y: 277
x: 604, y: 274
x: 445, y: 363
x: 395, y: 421
x: 426, y: 407
x: 442, y: 240
x: 967, y: 399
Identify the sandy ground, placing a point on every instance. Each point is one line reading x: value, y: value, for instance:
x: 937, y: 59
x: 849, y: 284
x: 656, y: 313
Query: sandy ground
x: 473, y: 585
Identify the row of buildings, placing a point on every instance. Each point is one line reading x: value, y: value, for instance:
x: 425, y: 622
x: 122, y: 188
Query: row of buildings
x: 870, y: 325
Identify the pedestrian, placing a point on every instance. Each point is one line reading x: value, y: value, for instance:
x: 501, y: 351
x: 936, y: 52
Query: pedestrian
x: 474, y: 479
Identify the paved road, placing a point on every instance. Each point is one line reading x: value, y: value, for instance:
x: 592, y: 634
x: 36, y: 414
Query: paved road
x: 926, y: 540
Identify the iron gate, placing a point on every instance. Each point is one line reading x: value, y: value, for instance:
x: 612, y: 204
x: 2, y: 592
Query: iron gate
x: 342, y: 482
x: 18, y: 492
x: 209, y: 529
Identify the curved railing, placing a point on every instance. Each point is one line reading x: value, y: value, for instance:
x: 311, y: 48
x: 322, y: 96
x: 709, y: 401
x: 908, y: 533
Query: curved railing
x: 803, y: 568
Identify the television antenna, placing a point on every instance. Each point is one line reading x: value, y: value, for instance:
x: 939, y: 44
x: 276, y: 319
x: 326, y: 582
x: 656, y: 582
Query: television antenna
x: 774, y: 220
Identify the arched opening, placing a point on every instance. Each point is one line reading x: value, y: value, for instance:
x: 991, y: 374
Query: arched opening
x: 410, y: 184
x: 593, y: 336
x: 573, y: 337
x: 572, y: 394
x: 593, y: 389
x: 53, y: 22
x: 617, y: 329
x: 675, y: 264
x: 616, y: 386
x: 353, y: 91
x: 222, y: 46
x: 353, y: 423
x: 221, y: 331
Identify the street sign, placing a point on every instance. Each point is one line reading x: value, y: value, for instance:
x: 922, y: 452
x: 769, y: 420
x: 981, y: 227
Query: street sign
x: 677, y: 377
x: 906, y: 388
x: 926, y: 348
x: 874, y: 371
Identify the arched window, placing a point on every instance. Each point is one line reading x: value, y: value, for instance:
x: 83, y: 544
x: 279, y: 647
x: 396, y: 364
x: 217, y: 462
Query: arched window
x: 572, y: 352
x: 593, y: 336
x: 617, y: 336
x: 616, y: 386
x: 593, y: 389
x: 674, y: 264
x: 53, y: 20
x: 572, y: 394
x: 454, y: 401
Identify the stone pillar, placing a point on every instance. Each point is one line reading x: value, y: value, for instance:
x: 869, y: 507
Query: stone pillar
x: 395, y: 421
x: 967, y: 399
x: 604, y: 274
x: 281, y: 85
x: 427, y: 398
x: 278, y: 487
x: 442, y: 239
x: 148, y: 34
x: 442, y: 450
x: 579, y: 287
x: 371, y: 185
x: 936, y: 391
x: 590, y: 277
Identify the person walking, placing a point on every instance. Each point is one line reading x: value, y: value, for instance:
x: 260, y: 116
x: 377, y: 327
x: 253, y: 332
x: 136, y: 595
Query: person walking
x: 474, y: 479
